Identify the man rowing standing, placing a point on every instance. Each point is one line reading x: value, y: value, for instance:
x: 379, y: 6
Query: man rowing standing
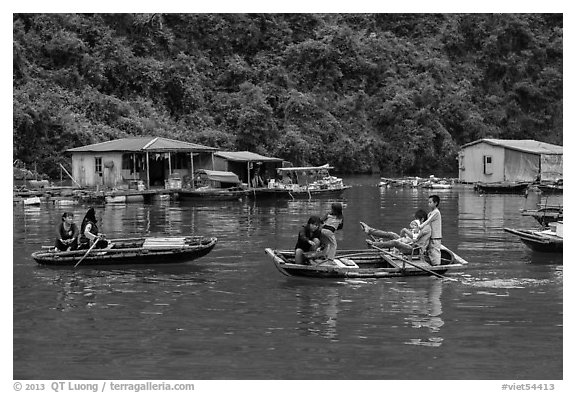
x: 435, y: 221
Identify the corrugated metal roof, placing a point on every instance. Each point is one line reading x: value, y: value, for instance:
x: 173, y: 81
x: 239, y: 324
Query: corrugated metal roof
x: 245, y: 156
x: 143, y: 144
x: 524, y: 145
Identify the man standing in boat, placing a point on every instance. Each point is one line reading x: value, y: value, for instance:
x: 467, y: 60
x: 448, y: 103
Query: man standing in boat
x: 435, y: 221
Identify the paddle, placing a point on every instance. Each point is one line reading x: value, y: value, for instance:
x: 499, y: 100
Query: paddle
x: 88, y: 252
x: 404, y: 259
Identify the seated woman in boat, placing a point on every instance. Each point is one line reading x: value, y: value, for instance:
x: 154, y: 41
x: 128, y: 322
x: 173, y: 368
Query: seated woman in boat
x: 67, y: 234
x: 308, y: 239
x: 391, y: 239
x: 89, y: 232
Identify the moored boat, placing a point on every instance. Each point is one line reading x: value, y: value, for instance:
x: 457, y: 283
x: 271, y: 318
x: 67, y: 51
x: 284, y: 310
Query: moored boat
x: 543, y: 240
x: 302, y: 182
x: 502, y: 187
x: 139, y: 251
x: 214, y: 185
x: 545, y: 215
x: 365, y: 263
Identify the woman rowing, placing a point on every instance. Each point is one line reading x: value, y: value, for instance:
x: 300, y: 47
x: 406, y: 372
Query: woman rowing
x: 89, y: 232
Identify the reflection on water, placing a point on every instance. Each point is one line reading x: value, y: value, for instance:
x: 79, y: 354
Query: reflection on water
x: 231, y: 315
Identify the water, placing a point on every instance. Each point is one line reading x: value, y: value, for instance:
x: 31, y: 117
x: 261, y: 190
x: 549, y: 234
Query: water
x: 232, y: 315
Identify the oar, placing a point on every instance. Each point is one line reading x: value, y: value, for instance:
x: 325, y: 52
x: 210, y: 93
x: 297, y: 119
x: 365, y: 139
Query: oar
x: 88, y: 252
x: 404, y: 259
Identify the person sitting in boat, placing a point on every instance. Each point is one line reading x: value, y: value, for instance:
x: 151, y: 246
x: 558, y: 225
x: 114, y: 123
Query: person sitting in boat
x: 67, y: 234
x: 391, y: 239
x: 407, y: 236
x: 308, y: 239
x: 331, y: 222
x: 89, y: 232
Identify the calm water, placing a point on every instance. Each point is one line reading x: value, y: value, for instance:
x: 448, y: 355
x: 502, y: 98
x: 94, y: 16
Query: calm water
x: 232, y: 315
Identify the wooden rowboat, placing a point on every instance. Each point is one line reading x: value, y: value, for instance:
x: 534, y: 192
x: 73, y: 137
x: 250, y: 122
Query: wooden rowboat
x: 366, y: 263
x: 140, y: 251
x: 543, y: 240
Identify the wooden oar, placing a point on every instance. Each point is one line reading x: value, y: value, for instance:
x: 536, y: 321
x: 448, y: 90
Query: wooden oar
x: 87, y: 252
x: 404, y: 259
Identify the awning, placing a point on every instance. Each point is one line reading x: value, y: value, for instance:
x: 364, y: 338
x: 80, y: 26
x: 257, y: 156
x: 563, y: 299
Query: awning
x: 246, y: 156
x: 304, y: 168
x: 221, y: 176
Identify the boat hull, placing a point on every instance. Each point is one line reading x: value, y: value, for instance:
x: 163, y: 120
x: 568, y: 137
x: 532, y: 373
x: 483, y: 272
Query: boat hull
x: 366, y: 263
x: 132, y: 252
x: 296, y: 194
x: 213, y: 195
x: 501, y: 188
x: 539, y: 240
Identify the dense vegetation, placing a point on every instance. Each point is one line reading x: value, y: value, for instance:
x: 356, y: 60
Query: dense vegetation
x: 398, y: 92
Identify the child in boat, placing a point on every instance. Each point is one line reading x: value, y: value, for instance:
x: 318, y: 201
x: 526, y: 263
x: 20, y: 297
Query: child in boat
x: 67, y: 234
x: 308, y: 238
x: 407, y: 236
x: 331, y: 222
x: 89, y: 232
x: 406, y: 246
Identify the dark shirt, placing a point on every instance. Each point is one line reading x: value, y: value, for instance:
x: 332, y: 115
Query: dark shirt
x: 67, y: 234
x: 306, y: 235
x: 93, y: 230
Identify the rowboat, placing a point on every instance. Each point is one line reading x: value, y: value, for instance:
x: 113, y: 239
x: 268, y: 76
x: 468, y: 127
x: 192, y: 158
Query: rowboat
x: 139, y: 251
x: 544, y: 240
x: 365, y: 263
x: 545, y: 215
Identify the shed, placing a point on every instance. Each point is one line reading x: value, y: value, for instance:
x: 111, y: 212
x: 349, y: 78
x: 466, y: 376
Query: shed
x: 247, y: 165
x: 151, y: 160
x: 508, y: 160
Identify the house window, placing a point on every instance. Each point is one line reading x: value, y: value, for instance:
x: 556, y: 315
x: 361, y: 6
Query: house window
x: 98, y: 165
x: 487, y: 165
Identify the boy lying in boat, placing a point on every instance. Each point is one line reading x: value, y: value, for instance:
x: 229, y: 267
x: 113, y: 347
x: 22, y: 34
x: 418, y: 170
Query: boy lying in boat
x: 408, y: 242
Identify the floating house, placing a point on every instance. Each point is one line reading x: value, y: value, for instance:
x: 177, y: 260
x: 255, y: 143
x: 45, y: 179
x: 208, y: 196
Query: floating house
x: 150, y: 161
x: 249, y: 167
x: 506, y: 160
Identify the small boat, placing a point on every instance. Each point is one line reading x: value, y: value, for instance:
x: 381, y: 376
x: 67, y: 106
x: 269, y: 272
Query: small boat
x: 502, y: 187
x: 365, y: 263
x: 214, y: 185
x: 551, y: 187
x: 32, y: 201
x: 302, y: 182
x: 544, y: 240
x: 137, y: 251
x: 545, y: 215
x: 115, y: 198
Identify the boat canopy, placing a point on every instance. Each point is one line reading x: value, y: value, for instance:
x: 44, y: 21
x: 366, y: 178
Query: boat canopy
x: 221, y: 176
x: 305, y: 168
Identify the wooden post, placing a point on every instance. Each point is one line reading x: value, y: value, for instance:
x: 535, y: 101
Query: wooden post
x: 148, y: 169
x: 192, y: 169
x: 248, y: 173
x: 134, y: 164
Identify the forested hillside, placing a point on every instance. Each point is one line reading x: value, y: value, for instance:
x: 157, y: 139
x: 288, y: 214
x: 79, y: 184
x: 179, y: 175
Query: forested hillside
x: 398, y: 92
